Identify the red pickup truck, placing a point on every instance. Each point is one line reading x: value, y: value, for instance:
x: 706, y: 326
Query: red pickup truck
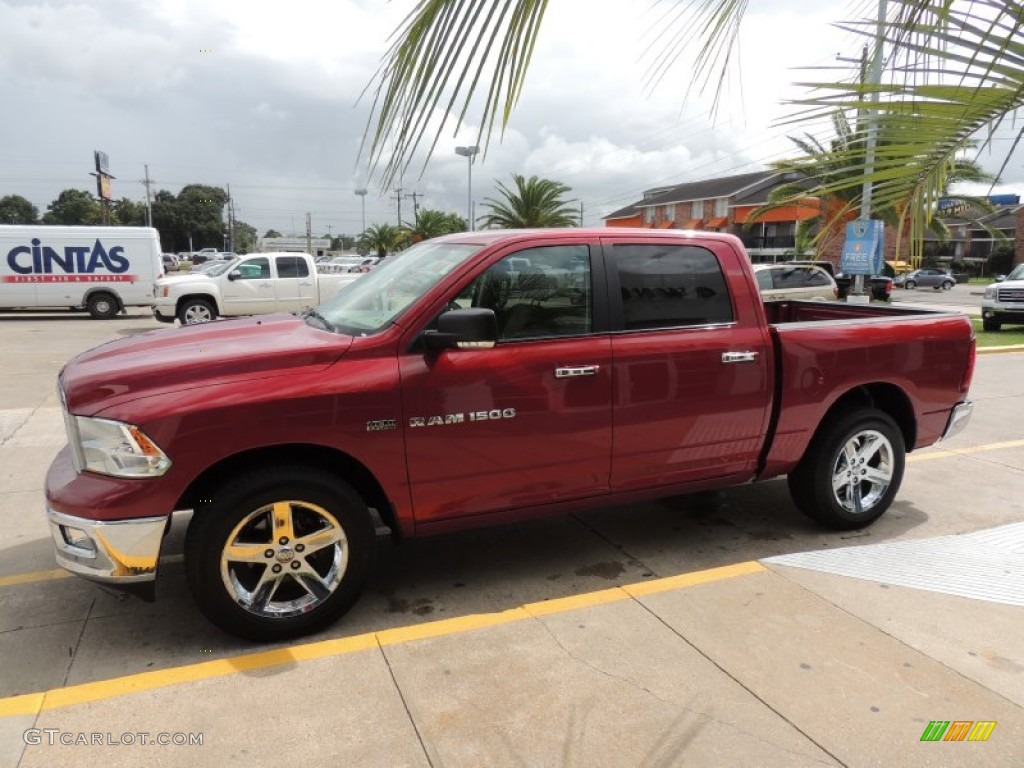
x: 482, y: 378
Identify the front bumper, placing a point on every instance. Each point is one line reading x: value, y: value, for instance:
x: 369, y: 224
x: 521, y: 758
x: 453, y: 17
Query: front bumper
x: 160, y: 313
x: 119, y: 553
x: 1003, y: 311
x: 958, y: 419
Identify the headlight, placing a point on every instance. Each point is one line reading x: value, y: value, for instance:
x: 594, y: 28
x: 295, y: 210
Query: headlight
x: 990, y: 292
x: 115, y: 448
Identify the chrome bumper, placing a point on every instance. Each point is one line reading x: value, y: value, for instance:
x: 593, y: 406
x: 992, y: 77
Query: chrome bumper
x: 958, y: 419
x: 122, y: 552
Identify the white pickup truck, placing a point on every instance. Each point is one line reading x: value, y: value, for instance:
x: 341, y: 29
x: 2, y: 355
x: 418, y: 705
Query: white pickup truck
x: 1004, y: 301
x: 256, y: 284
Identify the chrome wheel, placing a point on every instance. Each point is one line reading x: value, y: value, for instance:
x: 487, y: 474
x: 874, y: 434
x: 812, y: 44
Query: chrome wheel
x: 197, y: 313
x: 284, y: 559
x: 863, y: 471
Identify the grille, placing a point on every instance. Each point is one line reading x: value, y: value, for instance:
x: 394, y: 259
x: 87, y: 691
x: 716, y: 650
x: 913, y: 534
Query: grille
x: 1011, y: 294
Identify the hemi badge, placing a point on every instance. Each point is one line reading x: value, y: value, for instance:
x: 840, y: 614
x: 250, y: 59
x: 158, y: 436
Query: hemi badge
x: 380, y: 425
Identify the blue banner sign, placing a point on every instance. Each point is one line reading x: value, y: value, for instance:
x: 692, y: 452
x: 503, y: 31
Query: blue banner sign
x: 864, y: 249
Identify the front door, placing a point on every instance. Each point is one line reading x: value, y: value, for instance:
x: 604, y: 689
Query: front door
x: 527, y: 422
x: 251, y: 290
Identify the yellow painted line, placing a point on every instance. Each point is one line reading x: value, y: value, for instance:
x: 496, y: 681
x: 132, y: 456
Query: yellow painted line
x: 34, y: 577
x: 34, y: 703
x: 1000, y: 350
x: 685, y: 580
x: 56, y: 574
x: 948, y: 453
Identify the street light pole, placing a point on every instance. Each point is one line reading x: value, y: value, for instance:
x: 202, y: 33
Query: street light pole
x: 469, y: 153
x: 362, y: 196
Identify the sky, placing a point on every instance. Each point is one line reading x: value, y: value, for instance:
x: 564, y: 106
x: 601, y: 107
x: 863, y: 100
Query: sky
x: 268, y: 98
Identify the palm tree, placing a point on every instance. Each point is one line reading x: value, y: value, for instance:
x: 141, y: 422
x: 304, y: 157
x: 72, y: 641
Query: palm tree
x: 382, y: 238
x: 534, y: 203
x: 956, y: 70
x: 821, y: 167
x: 432, y: 223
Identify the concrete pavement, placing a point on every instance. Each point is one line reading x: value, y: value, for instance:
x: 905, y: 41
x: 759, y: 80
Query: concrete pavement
x: 572, y: 641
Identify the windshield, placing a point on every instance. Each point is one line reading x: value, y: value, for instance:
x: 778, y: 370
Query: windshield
x: 373, y: 302
x: 220, y: 268
x: 1017, y: 273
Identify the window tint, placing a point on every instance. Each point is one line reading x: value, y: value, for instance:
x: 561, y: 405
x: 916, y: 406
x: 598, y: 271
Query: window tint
x: 254, y: 269
x: 292, y: 266
x: 817, y: 277
x: 666, y: 286
x: 791, y: 277
x: 537, y: 292
x: 764, y: 279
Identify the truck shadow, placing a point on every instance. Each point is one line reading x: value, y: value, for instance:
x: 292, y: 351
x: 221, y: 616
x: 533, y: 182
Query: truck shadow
x: 479, y: 571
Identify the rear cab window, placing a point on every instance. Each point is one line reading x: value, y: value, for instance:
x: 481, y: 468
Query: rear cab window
x: 667, y: 286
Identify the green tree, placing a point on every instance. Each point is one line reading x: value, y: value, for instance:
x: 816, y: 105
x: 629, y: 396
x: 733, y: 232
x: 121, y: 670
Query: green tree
x: 245, y: 238
x: 73, y: 207
x: 534, y: 202
x: 129, y: 213
x: 433, y: 223
x: 15, y: 209
x: 952, y: 70
x: 382, y: 238
x: 822, y: 166
x: 272, y: 233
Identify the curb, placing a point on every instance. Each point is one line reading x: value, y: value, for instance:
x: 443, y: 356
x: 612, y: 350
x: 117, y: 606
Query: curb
x: 999, y: 350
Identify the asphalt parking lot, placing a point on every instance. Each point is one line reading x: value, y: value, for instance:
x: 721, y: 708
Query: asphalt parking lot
x: 652, y: 634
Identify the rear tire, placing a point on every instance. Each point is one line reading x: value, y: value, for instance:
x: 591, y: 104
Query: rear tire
x: 910, y: 285
x: 851, y: 471
x: 279, y: 553
x: 948, y: 285
x: 990, y: 325
x: 102, y: 306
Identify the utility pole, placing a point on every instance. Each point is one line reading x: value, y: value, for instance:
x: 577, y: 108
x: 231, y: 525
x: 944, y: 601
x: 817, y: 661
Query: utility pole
x: 398, y: 198
x: 148, y: 182
x: 231, y: 218
x: 415, y: 205
x: 309, y: 234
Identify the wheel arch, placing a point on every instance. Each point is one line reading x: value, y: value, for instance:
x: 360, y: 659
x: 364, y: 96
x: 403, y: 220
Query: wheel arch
x: 330, y: 460
x: 105, y: 290
x: 886, y: 397
x: 207, y: 297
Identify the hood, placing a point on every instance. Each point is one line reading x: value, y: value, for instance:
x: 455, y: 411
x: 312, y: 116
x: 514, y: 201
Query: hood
x: 165, y: 361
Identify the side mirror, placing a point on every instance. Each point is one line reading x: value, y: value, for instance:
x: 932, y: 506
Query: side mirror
x: 1000, y: 278
x: 234, y: 274
x: 475, y: 328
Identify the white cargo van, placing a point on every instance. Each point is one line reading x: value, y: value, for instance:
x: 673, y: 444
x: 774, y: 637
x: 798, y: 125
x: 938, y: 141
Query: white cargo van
x: 101, y: 269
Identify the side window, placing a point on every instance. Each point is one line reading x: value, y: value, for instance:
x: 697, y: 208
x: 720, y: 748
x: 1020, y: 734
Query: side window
x: 539, y: 292
x: 254, y: 269
x: 764, y: 279
x: 667, y: 286
x: 817, y: 277
x: 793, y: 277
x: 292, y: 266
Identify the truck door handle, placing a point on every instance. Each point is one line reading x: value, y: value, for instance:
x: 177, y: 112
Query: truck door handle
x: 576, y: 370
x: 739, y: 357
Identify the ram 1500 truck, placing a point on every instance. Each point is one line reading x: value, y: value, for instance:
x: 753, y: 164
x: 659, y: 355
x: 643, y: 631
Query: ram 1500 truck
x: 481, y: 378
x: 257, y: 284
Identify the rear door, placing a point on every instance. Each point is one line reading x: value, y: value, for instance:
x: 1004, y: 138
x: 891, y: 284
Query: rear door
x: 692, y: 370
x: 527, y: 422
x: 294, y: 286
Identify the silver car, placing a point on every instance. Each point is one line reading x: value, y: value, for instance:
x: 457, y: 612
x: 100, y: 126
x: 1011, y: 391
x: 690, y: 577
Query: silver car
x: 926, y: 278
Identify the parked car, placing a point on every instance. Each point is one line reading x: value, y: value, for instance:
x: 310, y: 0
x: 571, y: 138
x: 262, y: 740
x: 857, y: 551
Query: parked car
x: 926, y: 278
x: 442, y: 393
x: 338, y: 264
x: 171, y: 261
x: 787, y: 281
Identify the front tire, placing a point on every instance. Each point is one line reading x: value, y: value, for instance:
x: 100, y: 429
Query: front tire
x: 279, y: 553
x: 910, y: 285
x: 990, y: 324
x: 851, y: 471
x: 196, y: 311
x: 102, y: 306
x: 947, y: 286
